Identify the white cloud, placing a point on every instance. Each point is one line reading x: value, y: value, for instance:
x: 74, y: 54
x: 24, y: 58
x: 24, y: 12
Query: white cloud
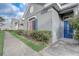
x: 9, y: 9
x: 24, y: 3
x: 20, y: 14
x: 21, y: 5
x: 14, y: 8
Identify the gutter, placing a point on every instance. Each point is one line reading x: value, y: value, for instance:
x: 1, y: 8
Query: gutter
x: 70, y: 8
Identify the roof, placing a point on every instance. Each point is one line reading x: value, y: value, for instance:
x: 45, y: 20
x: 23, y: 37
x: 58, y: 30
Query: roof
x: 60, y: 7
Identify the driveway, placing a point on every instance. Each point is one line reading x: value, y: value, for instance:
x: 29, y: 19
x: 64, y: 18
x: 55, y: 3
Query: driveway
x: 14, y: 47
x: 61, y: 49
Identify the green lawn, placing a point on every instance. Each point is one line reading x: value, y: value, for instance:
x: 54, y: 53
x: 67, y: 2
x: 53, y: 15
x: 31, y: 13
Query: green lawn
x: 30, y: 43
x: 1, y: 42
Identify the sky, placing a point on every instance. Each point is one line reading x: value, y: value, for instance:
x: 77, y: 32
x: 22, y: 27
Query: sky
x: 9, y: 10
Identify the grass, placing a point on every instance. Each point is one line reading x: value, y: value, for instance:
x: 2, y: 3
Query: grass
x: 1, y: 42
x: 30, y: 43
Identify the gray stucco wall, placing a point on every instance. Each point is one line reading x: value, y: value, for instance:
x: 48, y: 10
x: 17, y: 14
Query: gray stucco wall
x: 76, y: 10
x: 56, y: 24
x: 36, y: 8
x: 44, y: 20
x: 49, y: 20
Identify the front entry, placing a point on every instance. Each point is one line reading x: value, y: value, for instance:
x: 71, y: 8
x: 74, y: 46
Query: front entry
x: 68, y: 30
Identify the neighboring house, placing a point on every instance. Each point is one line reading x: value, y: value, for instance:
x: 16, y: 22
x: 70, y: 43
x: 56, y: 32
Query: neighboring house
x: 21, y: 24
x: 17, y: 24
x: 14, y: 24
x: 3, y: 26
x: 2, y: 23
x: 51, y: 17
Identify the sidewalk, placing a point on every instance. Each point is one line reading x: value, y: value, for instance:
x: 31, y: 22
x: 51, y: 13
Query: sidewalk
x: 61, y: 49
x: 14, y: 47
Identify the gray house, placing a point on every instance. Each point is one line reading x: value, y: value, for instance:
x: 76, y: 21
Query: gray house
x: 14, y: 24
x: 52, y: 17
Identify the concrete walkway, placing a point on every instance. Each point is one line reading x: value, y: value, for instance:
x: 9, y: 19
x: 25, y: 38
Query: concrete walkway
x: 61, y: 49
x: 14, y: 47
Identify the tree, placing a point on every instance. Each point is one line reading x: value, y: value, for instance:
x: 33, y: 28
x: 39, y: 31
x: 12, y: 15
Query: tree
x: 2, y: 19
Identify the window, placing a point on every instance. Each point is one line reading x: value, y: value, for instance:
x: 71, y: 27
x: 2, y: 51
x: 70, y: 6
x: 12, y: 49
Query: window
x: 21, y: 24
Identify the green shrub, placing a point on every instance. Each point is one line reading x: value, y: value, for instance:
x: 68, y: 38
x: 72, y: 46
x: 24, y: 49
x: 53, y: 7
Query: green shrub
x: 43, y: 36
x: 76, y: 36
x: 74, y: 22
x: 27, y: 33
x: 19, y: 32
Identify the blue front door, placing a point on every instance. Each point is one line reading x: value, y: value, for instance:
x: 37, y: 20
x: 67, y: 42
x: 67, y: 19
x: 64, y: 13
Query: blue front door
x: 68, y: 30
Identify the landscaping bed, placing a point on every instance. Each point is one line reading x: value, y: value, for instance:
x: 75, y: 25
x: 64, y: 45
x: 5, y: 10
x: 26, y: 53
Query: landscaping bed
x: 1, y: 42
x: 34, y: 44
x: 40, y: 36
